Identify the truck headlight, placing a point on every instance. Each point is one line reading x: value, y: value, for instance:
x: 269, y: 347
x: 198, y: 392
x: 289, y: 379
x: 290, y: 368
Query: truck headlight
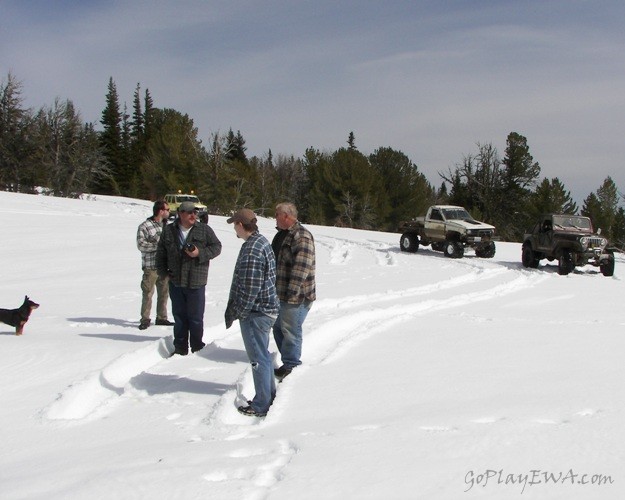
x: 584, y: 242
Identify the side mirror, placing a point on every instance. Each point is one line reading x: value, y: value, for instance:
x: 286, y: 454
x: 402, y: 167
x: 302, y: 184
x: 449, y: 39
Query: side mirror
x: 599, y: 231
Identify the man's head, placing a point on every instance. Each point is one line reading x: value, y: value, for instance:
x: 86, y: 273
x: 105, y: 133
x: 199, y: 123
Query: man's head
x: 244, y: 221
x: 286, y: 215
x: 160, y: 210
x: 187, y: 214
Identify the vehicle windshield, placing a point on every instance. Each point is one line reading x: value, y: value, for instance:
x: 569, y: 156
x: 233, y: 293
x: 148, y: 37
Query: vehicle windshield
x: 194, y: 199
x: 457, y: 214
x: 572, y: 222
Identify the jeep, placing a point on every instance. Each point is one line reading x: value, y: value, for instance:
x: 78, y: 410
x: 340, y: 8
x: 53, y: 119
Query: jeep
x: 571, y: 240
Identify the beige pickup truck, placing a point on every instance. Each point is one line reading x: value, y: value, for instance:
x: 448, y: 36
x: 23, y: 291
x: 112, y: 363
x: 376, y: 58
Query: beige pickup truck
x: 448, y: 229
x: 175, y: 199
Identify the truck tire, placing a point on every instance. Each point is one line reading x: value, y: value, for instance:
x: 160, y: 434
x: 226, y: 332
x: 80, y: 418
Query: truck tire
x: 528, y: 256
x: 607, y: 268
x: 565, y: 263
x: 409, y: 242
x: 487, y: 251
x: 453, y: 249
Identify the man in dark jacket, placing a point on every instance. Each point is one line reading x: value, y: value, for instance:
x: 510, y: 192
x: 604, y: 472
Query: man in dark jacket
x: 184, y: 253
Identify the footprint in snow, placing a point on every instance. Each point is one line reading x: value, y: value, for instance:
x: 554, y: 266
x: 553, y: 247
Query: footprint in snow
x: 363, y: 428
x: 487, y: 420
x: 437, y: 428
x: 340, y: 254
x: 247, y: 452
x: 587, y: 412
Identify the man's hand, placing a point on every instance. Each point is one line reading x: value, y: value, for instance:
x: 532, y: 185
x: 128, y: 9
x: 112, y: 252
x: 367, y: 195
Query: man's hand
x: 193, y: 253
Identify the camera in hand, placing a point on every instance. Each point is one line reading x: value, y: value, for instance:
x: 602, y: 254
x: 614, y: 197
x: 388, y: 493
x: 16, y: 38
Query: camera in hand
x: 189, y: 247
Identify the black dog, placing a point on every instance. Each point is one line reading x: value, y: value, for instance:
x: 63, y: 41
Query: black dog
x: 18, y: 317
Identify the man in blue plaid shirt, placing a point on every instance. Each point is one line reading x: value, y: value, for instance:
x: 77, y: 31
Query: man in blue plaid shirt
x: 254, y: 302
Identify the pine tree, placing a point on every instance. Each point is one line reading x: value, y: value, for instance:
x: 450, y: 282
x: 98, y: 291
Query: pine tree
x: 409, y: 194
x: 148, y: 112
x: 111, y: 142
x: 518, y: 177
x: 236, y: 147
x: 592, y: 208
x: 602, y: 207
x: 550, y: 197
x: 351, y: 141
x: 175, y: 159
x: 16, y: 168
x: 618, y: 230
x: 66, y: 151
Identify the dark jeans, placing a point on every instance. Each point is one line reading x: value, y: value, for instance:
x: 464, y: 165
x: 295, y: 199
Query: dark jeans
x: 187, y: 306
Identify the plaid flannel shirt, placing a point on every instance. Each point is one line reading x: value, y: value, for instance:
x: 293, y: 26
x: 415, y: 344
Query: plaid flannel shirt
x: 148, y: 234
x: 253, y: 282
x: 295, y: 279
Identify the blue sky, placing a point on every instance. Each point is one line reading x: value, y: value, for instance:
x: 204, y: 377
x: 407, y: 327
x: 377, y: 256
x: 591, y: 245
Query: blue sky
x: 429, y: 78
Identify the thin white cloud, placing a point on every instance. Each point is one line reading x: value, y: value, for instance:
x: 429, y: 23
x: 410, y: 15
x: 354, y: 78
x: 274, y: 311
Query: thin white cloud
x: 427, y: 79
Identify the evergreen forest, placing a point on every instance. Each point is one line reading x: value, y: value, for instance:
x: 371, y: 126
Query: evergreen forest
x: 146, y: 151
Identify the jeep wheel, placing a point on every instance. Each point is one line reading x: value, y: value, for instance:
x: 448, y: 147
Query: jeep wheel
x: 487, y: 251
x: 453, y: 249
x: 607, y: 267
x: 565, y: 263
x: 409, y: 242
x: 528, y: 257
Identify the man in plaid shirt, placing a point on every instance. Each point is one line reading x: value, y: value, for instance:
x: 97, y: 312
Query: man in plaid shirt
x: 294, y: 248
x: 148, y: 236
x: 254, y: 302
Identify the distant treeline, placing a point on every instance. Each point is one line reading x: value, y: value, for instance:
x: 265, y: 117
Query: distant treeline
x: 148, y: 151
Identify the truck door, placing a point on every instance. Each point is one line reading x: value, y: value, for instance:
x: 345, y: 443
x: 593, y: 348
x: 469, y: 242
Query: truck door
x: 435, y: 225
x: 545, y: 234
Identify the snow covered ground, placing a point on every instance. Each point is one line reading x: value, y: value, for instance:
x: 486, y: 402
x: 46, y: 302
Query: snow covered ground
x: 423, y: 377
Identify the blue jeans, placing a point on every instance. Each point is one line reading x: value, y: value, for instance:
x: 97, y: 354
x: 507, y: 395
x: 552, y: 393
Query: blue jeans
x: 255, y: 330
x: 287, y: 331
x: 187, y: 306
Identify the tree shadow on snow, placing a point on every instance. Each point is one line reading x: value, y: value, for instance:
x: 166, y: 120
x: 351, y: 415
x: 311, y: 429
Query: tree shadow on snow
x: 165, y: 384
x: 126, y: 337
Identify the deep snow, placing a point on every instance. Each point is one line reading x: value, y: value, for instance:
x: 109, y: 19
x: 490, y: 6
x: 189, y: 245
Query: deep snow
x: 423, y: 377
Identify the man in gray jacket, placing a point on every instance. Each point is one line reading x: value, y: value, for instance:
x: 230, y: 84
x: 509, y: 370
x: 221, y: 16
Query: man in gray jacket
x: 184, y: 253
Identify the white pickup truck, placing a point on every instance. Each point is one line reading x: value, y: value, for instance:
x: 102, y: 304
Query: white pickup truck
x: 448, y: 229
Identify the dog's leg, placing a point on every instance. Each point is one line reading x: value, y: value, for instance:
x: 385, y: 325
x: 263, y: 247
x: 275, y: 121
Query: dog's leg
x: 19, y: 329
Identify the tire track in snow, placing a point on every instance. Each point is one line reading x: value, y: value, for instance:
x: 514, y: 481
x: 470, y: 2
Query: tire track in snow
x: 331, y: 338
x: 81, y: 399
x: 91, y: 397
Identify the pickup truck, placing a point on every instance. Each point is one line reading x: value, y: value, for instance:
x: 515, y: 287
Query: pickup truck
x: 448, y: 229
x: 174, y: 201
x: 571, y: 240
